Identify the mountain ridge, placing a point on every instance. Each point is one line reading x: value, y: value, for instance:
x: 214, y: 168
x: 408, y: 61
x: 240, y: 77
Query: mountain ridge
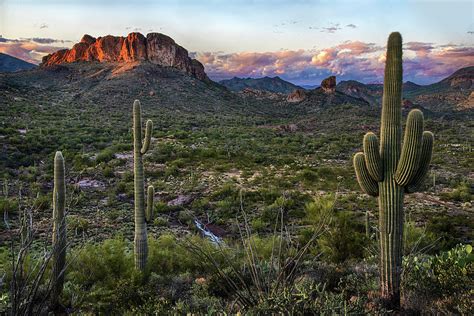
x: 454, y: 91
x: 155, y: 48
x: 269, y: 84
x: 10, y: 63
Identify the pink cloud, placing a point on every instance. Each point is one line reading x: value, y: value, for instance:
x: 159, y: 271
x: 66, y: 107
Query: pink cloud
x: 349, y: 60
x: 423, y: 62
x: 30, y: 50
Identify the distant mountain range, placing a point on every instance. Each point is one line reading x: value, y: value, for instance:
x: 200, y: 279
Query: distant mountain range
x: 9, y: 64
x: 454, y: 91
x: 158, y: 68
x: 275, y: 84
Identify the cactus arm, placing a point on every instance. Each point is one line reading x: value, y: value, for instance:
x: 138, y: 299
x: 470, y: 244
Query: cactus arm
x: 148, y: 132
x: 367, y: 184
x: 390, y: 129
x: 59, y: 228
x: 372, y: 156
x: 425, y: 160
x: 411, y: 150
x: 149, y: 204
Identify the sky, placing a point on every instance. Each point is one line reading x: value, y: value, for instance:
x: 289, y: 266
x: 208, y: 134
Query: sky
x: 300, y: 41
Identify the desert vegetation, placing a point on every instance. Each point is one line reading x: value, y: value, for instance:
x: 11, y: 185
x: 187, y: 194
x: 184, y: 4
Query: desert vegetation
x: 241, y: 214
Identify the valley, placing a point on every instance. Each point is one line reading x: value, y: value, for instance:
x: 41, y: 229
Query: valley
x: 233, y: 159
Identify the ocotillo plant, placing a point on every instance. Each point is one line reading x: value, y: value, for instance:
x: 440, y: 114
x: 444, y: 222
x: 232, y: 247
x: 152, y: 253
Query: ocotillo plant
x: 141, y: 216
x: 390, y: 170
x: 59, y: 228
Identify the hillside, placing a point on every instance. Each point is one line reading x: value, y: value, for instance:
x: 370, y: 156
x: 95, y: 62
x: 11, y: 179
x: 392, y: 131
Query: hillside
x: 275, y: 84
x: 9, y: 63
x: 253, y: 203
x: 451, y: 93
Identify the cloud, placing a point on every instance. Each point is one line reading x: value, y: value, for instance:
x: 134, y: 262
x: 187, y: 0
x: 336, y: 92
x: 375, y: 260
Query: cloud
x: 353, y: 26
x: 30, y: 49
x: 423, y: 62
x: 421, y: 49
x: 331, y: 29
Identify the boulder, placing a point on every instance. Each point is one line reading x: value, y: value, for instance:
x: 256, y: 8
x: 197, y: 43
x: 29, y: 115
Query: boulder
x: 296, y: 96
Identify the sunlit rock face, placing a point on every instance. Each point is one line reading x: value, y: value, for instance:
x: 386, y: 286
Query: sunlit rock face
x: 156, y: 48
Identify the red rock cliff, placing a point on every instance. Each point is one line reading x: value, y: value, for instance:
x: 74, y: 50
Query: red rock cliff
x: 155, y: 47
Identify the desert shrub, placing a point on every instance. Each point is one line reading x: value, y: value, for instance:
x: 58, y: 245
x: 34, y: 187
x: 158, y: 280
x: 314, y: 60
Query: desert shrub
x: 104, y: 274
x: 308, y: 297
x: 108, y: 172
x: 417, y: 239
x: 81, y: 162
x: 8, y: 205
x: 42, y: 202
x: 308, y: 175
x: 344, y: 239
x: 258, y: 224
x: 445, y: 229
x: 320, y: 209
x: 463, y: 192
x: 77, y: 224
x: 344, y: 235
x: 185, y: 217
x: 105, y: 155
x: 440, y: 283
x: 281, y: 206
x: 160, y: 221
x: 168, y: 257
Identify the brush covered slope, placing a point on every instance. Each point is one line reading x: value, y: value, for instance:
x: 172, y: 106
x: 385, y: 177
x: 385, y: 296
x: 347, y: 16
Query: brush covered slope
x: 454, y: 93
x: 233, y: 164
x: 275, y: 84
x: 9, y: 63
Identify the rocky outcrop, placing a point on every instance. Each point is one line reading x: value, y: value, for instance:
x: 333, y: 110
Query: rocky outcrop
x: 329, y: 84
x: 261, y: 94
x: 296, y: 96
x: 155, y: 48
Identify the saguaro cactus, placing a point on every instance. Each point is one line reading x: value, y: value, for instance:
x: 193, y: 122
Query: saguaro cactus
x: 141, y: 216
x: 59, y: 228
x: 390, y: 170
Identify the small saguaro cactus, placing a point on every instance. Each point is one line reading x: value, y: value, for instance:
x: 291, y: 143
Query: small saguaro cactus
x: 391, y: 170
x: 59, y: 228
x: 142, y: 216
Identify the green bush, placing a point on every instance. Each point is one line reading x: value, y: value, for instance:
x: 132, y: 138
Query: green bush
x: 462, y: 193
x: 444, y: 282
x: 8, y: 205
x: 345, y: 238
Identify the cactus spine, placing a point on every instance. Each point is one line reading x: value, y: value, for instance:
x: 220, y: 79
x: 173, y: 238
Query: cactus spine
x: 59, y: 227
x: 142, y: 216
x: 390, y: 170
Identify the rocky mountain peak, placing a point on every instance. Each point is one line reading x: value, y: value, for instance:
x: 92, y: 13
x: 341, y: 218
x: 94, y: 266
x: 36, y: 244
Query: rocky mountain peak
x: 155, y: 48
x: 329, y: 84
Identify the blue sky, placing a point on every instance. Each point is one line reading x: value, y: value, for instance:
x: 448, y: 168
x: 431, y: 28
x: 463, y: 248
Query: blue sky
x: 233, y: 28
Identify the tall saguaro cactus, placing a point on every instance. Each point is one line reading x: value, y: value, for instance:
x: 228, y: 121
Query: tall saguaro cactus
x: 391, y: 170
x: 142, y: 216
x: 59, y: 227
